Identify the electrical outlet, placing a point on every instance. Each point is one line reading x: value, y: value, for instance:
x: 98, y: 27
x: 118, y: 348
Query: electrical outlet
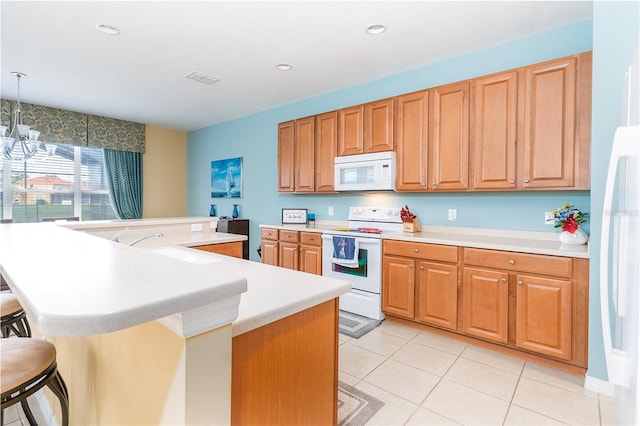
x: 548, y: 218
x: 330, y: 212
x: 196, y: 227
x: 453, y: 215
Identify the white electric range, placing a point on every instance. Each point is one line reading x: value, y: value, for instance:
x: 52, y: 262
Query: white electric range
x: 366, y: 227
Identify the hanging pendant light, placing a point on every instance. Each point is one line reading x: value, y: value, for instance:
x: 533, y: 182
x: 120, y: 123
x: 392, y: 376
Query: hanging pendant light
x: 21, y: 135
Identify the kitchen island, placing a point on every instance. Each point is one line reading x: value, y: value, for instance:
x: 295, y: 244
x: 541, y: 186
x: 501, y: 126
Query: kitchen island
x: 145, y: 334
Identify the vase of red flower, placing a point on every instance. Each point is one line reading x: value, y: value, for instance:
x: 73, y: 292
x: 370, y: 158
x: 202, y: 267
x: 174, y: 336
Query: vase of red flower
x: 568, y: 218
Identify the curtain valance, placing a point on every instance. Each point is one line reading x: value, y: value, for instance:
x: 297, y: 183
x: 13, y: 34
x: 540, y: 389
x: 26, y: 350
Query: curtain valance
x: 75, y: 128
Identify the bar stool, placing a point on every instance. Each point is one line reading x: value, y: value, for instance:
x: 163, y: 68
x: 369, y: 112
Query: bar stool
x: 13, y: 319
x: 26, y: 366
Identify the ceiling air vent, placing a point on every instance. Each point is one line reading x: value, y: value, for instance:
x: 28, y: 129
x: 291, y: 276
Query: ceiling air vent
x: 202, y: 78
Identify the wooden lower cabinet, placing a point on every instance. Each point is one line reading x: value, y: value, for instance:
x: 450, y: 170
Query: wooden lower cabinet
x: 417, y: 289
x: 533, y: 303
x: 543, y: 315
x: 297, y: 250
x: 228, y: 249
x: 398, y: 288
x: 437, y: 294
x: 286, y: 372
x: 485, y: 304
x: 269, y: 246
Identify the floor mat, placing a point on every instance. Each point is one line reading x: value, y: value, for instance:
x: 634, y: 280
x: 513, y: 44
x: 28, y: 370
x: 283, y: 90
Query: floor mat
x: 356, y: 326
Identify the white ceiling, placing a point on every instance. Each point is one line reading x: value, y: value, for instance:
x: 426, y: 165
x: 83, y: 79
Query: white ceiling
x: 140, y: 74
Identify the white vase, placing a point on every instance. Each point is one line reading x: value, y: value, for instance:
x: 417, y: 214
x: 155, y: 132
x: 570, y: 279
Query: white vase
x: 578, y: 237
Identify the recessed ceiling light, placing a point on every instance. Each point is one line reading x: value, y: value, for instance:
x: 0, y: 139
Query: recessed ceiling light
x: 376, y: 29
x: 108, y: 29
x: 284, y: 67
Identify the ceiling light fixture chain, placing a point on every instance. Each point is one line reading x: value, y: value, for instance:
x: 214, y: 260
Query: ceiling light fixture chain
x: 21, y: 134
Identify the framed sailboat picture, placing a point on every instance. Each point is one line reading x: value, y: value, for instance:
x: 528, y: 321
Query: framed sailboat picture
x: 226, y: 178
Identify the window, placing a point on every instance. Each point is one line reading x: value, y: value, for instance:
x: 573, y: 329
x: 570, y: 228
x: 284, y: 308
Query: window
x: 70, y: 183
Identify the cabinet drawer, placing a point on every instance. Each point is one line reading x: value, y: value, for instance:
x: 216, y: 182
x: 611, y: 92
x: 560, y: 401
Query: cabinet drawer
x: 421, y: 250
x: 269, y: 234
x: 289, y: 236
x: 540, y: 264
x: 311, y: 238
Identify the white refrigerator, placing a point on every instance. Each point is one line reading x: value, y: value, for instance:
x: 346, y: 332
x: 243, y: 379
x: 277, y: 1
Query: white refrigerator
x: 620, y: 257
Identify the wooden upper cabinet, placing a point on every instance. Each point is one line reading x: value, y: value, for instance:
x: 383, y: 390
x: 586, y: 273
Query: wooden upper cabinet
x: 378, y: 126
x: 326, y: 142
x: 286, y: 156
x: 449, y: 137
x: 351, y: 130
x: 305, y: 155
x: 549, y: 141
x: 411, y: 135
x: 493, y: 131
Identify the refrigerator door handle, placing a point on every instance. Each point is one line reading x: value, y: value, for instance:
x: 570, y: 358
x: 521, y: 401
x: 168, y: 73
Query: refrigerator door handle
x: 618, y: 361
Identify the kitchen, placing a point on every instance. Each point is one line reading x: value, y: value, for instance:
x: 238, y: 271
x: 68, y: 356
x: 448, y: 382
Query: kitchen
x: 254, y: 138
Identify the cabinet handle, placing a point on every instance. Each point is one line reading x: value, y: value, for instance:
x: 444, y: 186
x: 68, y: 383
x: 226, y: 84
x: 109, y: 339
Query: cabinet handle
x: 526, y: 181
x: 512, y: 262
x: 416, y: 250
x: 512, y: 181
x: 504, y: 280
x: 424, y: 184
x: 309, y: 238
x: 433, y: 184
x: 519, y: 282
x: 410, y: 266
x: 422, y: 267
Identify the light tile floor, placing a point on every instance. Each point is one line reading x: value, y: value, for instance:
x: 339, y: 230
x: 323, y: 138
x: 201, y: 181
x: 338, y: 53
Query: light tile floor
x: 427, y: 379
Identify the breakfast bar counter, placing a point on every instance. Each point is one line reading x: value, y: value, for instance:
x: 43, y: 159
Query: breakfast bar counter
x: 166, y: 317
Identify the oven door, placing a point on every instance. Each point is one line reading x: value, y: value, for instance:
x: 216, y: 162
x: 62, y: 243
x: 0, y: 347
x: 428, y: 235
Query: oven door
x: 367, y: 276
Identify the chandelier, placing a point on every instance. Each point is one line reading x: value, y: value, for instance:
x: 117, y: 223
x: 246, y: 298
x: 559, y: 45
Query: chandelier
x: 21, y: 134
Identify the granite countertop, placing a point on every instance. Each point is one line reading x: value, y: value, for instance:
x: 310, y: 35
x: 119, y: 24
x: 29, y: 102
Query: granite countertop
x: 74, y: 283
x: 546, y: 243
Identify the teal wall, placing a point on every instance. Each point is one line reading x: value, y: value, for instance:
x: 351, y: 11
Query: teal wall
x: 616, y: 27
x: 255, y: 139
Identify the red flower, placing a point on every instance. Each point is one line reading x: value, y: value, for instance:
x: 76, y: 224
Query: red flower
x: 570, y: 225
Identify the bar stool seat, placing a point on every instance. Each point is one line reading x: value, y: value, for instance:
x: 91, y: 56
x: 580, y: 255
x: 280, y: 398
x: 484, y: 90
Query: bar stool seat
x: 13, y: 318
x: 26, y: 366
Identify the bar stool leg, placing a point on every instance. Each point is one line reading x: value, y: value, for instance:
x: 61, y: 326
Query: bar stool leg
x: 59, y: 388
x: 28, y: 413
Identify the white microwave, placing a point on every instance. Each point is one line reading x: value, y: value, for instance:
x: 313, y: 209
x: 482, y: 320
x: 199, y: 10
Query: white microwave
x: 365, y: 172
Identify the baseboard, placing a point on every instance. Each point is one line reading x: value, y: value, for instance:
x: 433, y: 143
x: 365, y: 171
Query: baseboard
x: 45, y: 408
x: 600, y: 386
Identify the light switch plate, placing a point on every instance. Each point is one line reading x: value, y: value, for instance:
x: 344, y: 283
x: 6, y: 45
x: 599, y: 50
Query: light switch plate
x: 453, y: 215
x: 548, y: 218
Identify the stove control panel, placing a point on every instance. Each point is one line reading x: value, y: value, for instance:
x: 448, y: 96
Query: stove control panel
x: 375, y: 214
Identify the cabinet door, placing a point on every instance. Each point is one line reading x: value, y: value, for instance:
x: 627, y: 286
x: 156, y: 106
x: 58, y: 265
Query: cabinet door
x: 288, y: 255
x: 350, y: 131
x: 449, y: 137
x: 411, y: 133
x: 311, y: 259
x: 493, y: 131
x: 378, y: 126
x: 304, y: 155
x: 286, y: 156
x: 437, y: 294
x: 269, y: 252
x: 543, y: 318
x: 398, y: 286
x: 485, y: 304
x: 549, y: 141
x: 326, y: 150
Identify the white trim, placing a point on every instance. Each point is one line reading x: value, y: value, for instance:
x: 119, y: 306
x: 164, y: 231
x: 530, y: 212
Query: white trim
x: 600, y: 386
x: 45, y: 408
x: 204, y: 318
